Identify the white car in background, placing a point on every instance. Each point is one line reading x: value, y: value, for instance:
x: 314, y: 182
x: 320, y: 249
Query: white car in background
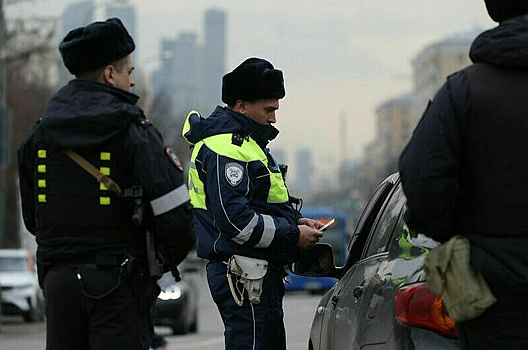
x: 21, y: 294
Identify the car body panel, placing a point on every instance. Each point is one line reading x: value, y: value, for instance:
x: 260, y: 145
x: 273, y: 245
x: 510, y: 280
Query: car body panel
x: 359, y: 311
x: 177, y: 305
x: 21, y: 293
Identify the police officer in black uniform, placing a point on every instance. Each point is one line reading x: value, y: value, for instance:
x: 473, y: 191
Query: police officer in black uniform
x: 91, y: 233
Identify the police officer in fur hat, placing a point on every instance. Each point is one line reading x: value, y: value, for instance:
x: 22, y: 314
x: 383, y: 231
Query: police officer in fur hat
x: 91, y: 221
x: 246, y: 224
x: 465, y: 169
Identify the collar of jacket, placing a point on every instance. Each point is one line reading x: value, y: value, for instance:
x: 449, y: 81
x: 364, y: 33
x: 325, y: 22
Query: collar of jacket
x: 261, y: 133
x: 88, y: 85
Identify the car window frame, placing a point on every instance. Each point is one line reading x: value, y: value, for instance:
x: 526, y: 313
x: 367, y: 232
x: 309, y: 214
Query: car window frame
x: 368, y: 218
x: 382, y: 214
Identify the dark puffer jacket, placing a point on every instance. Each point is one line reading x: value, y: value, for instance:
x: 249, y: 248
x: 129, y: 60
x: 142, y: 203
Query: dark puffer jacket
x: 465, y: 169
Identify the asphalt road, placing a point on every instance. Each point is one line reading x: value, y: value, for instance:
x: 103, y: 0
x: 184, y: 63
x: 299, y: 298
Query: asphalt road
x: 299, y: 308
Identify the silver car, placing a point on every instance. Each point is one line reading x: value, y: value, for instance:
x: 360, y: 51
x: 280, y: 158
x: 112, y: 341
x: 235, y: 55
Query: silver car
x: 21, y: 294
x: 381, y: 300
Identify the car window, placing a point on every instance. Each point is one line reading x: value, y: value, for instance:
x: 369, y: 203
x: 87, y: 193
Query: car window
x: 13, y: 264
x: 368, y: 217
x: 384, y: 227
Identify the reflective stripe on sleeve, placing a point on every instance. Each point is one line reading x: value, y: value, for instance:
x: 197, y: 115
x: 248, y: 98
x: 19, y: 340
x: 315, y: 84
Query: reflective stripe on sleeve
x: 246, y: 232
x: 269, y: 232
x: 170, y: 200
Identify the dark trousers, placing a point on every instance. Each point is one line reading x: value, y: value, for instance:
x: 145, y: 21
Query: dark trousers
x: 250, y: 326
x: 89, y: 309
x: 503, y: 326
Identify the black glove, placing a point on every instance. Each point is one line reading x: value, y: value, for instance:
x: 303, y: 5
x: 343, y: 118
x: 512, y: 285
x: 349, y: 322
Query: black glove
x: 176, y: 274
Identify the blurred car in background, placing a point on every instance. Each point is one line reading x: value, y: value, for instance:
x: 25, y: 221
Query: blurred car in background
x: 381, y: 300
x: 177, y: 304
x: 21, y: 294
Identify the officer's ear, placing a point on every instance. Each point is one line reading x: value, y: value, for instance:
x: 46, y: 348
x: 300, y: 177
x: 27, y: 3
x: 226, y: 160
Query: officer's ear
x: 109, y: 73
x: 240, y: 107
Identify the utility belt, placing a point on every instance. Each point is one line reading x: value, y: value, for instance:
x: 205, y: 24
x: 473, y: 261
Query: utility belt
x: 105, y: 273
x: 250, y: 272
x: 125, y: 265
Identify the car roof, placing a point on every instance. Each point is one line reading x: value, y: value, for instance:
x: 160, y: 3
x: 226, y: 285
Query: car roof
x: 14, y: 252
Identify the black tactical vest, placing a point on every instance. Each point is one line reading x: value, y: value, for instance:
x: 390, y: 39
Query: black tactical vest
x: 71, y: 202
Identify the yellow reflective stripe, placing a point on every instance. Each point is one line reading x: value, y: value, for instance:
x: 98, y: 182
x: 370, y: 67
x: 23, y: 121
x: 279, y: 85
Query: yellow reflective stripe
x: 41, y: 153
x: 104, y: 200
x: 187, y: 124
x: 42, y: 198
x: 196, y: 186
x: 196, y: 190
x: 278, y: 192
x: 41, y: 183
x: 105, y: 156
x: 41, y: 168
x: 104, y: 170
x: 248, y: 152
x: 102, y: 187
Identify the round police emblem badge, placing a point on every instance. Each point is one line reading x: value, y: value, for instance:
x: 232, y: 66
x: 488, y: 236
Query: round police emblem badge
x: 173, y: 158
x: 234, y: 173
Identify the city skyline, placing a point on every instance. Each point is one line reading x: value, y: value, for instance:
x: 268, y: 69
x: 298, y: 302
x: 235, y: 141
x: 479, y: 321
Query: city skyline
x: 339, y: 59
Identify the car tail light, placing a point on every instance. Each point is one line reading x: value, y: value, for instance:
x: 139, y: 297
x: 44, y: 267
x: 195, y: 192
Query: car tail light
x: 416, y: 305
x: 30, y: 261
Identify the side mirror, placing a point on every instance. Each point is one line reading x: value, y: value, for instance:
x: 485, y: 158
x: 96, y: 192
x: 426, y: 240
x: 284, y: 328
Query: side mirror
x: 315, y: 262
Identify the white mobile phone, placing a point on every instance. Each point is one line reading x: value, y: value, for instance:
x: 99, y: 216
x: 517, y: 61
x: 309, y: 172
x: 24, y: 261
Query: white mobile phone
x: 327, y: 224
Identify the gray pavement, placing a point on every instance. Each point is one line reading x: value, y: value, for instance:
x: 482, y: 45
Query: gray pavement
x: 299, y: 308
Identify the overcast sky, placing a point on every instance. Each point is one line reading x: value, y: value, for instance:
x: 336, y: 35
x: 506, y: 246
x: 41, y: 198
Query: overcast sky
x: 341, y: 57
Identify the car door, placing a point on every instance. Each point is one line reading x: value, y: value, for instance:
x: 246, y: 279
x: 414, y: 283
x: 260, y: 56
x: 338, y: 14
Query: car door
x: 361, y: 295
x: 328, y: 339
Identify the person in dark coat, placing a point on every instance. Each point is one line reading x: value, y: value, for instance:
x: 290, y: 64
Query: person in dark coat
x: 465, y: 171
x: 92, y: 234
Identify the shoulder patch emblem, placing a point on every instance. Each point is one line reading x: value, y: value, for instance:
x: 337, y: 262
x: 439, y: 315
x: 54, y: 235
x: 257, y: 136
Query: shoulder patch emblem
x: 173, y: 158
x: 234, y: 173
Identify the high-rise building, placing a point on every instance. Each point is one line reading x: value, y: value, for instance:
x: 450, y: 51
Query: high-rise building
x: 190, y: 74
x: 177, y: 79
x: 75, y: 15
x: 213, y: 58
x: 185, y: 75
x: 435, y: 63
x: 303, y: 169
x: 127, y: 15
x: 393, y: 130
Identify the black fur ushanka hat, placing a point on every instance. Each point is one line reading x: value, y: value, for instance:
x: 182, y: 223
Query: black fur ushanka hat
x: 253, y: 79
x: 96, y: 45
x: 500, y: 10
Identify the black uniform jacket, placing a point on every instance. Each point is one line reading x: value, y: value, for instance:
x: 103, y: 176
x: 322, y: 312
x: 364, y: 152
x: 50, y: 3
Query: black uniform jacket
x: 465, y: 169
x: 73, y: 216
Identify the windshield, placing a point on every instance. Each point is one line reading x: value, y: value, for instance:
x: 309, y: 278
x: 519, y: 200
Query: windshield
x: 12, y: 264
